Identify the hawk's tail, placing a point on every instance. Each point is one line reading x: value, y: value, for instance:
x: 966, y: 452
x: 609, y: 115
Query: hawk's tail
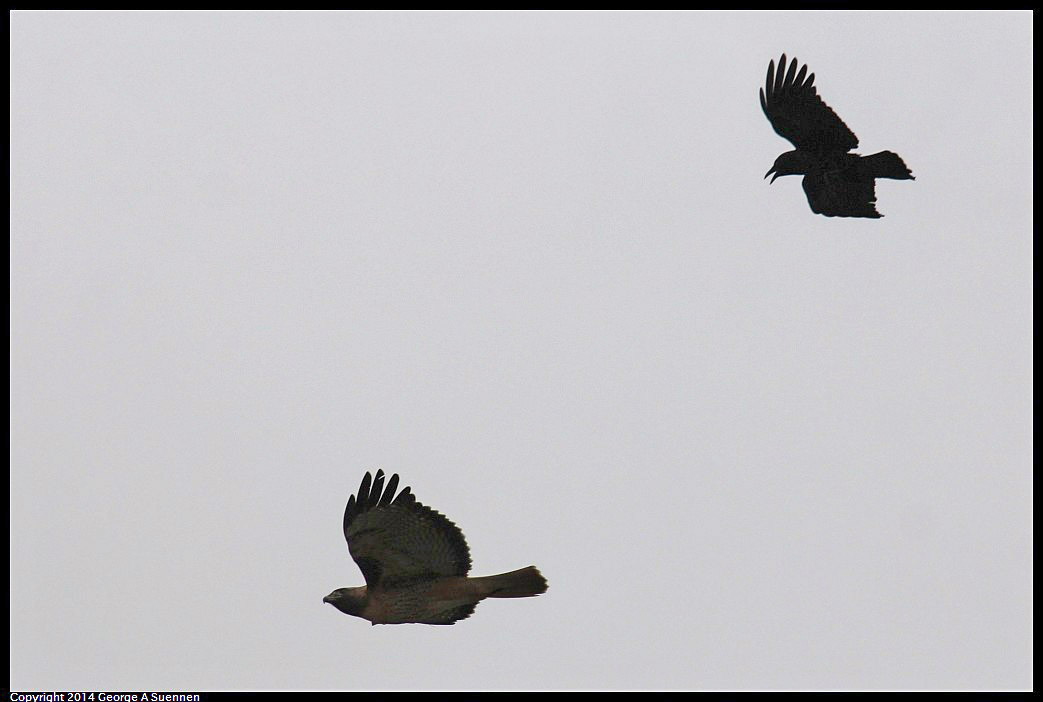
x: 887, y: 164
x: 527, y: 582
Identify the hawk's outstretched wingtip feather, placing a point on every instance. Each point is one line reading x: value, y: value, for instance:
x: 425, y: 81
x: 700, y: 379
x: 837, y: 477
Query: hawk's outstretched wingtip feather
x: 371, y: 494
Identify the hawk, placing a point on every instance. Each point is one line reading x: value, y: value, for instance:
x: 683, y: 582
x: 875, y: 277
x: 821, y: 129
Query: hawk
x: 837, y: 183
x: 415, y: 562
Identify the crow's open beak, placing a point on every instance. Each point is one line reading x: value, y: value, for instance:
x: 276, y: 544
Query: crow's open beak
x: 770, y: 171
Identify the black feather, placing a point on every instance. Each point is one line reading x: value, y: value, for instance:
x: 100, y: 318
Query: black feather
x: 349, y: 512
x: 389, y: 491
x: 377, y: 489
x: 363, y: 493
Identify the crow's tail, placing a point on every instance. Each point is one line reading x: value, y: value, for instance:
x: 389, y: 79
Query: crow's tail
x: 886, y: 164
x: 526, y: 582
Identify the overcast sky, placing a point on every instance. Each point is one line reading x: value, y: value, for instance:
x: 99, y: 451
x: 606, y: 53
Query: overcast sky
x: 528, y: 262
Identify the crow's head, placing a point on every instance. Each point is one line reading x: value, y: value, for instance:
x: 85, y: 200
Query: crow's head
x: 790, y: 163
x: 350, y: 600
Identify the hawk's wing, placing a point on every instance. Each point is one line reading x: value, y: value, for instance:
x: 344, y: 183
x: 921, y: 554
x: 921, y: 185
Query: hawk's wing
x: 833, y: 195
x: 397, y: 537
x: 797, y: 113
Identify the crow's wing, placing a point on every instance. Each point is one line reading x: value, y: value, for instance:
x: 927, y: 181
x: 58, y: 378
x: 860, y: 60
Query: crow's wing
x: 797, y: 113
x: 834, y: 195
x: 397, y: 537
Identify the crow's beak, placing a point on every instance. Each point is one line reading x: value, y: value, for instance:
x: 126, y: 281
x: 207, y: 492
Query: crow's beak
x: 770, y: 171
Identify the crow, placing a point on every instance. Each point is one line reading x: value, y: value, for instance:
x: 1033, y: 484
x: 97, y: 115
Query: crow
x: 837, y: 183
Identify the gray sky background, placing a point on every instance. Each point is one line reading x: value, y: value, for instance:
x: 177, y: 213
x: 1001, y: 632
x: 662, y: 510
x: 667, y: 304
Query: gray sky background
x: 527, y: 261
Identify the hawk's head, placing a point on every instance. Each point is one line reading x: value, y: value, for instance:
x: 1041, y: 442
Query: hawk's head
x: 350, y: 600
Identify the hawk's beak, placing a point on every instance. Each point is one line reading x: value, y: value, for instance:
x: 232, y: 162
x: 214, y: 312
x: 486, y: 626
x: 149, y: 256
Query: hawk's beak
x: 327, y: 599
